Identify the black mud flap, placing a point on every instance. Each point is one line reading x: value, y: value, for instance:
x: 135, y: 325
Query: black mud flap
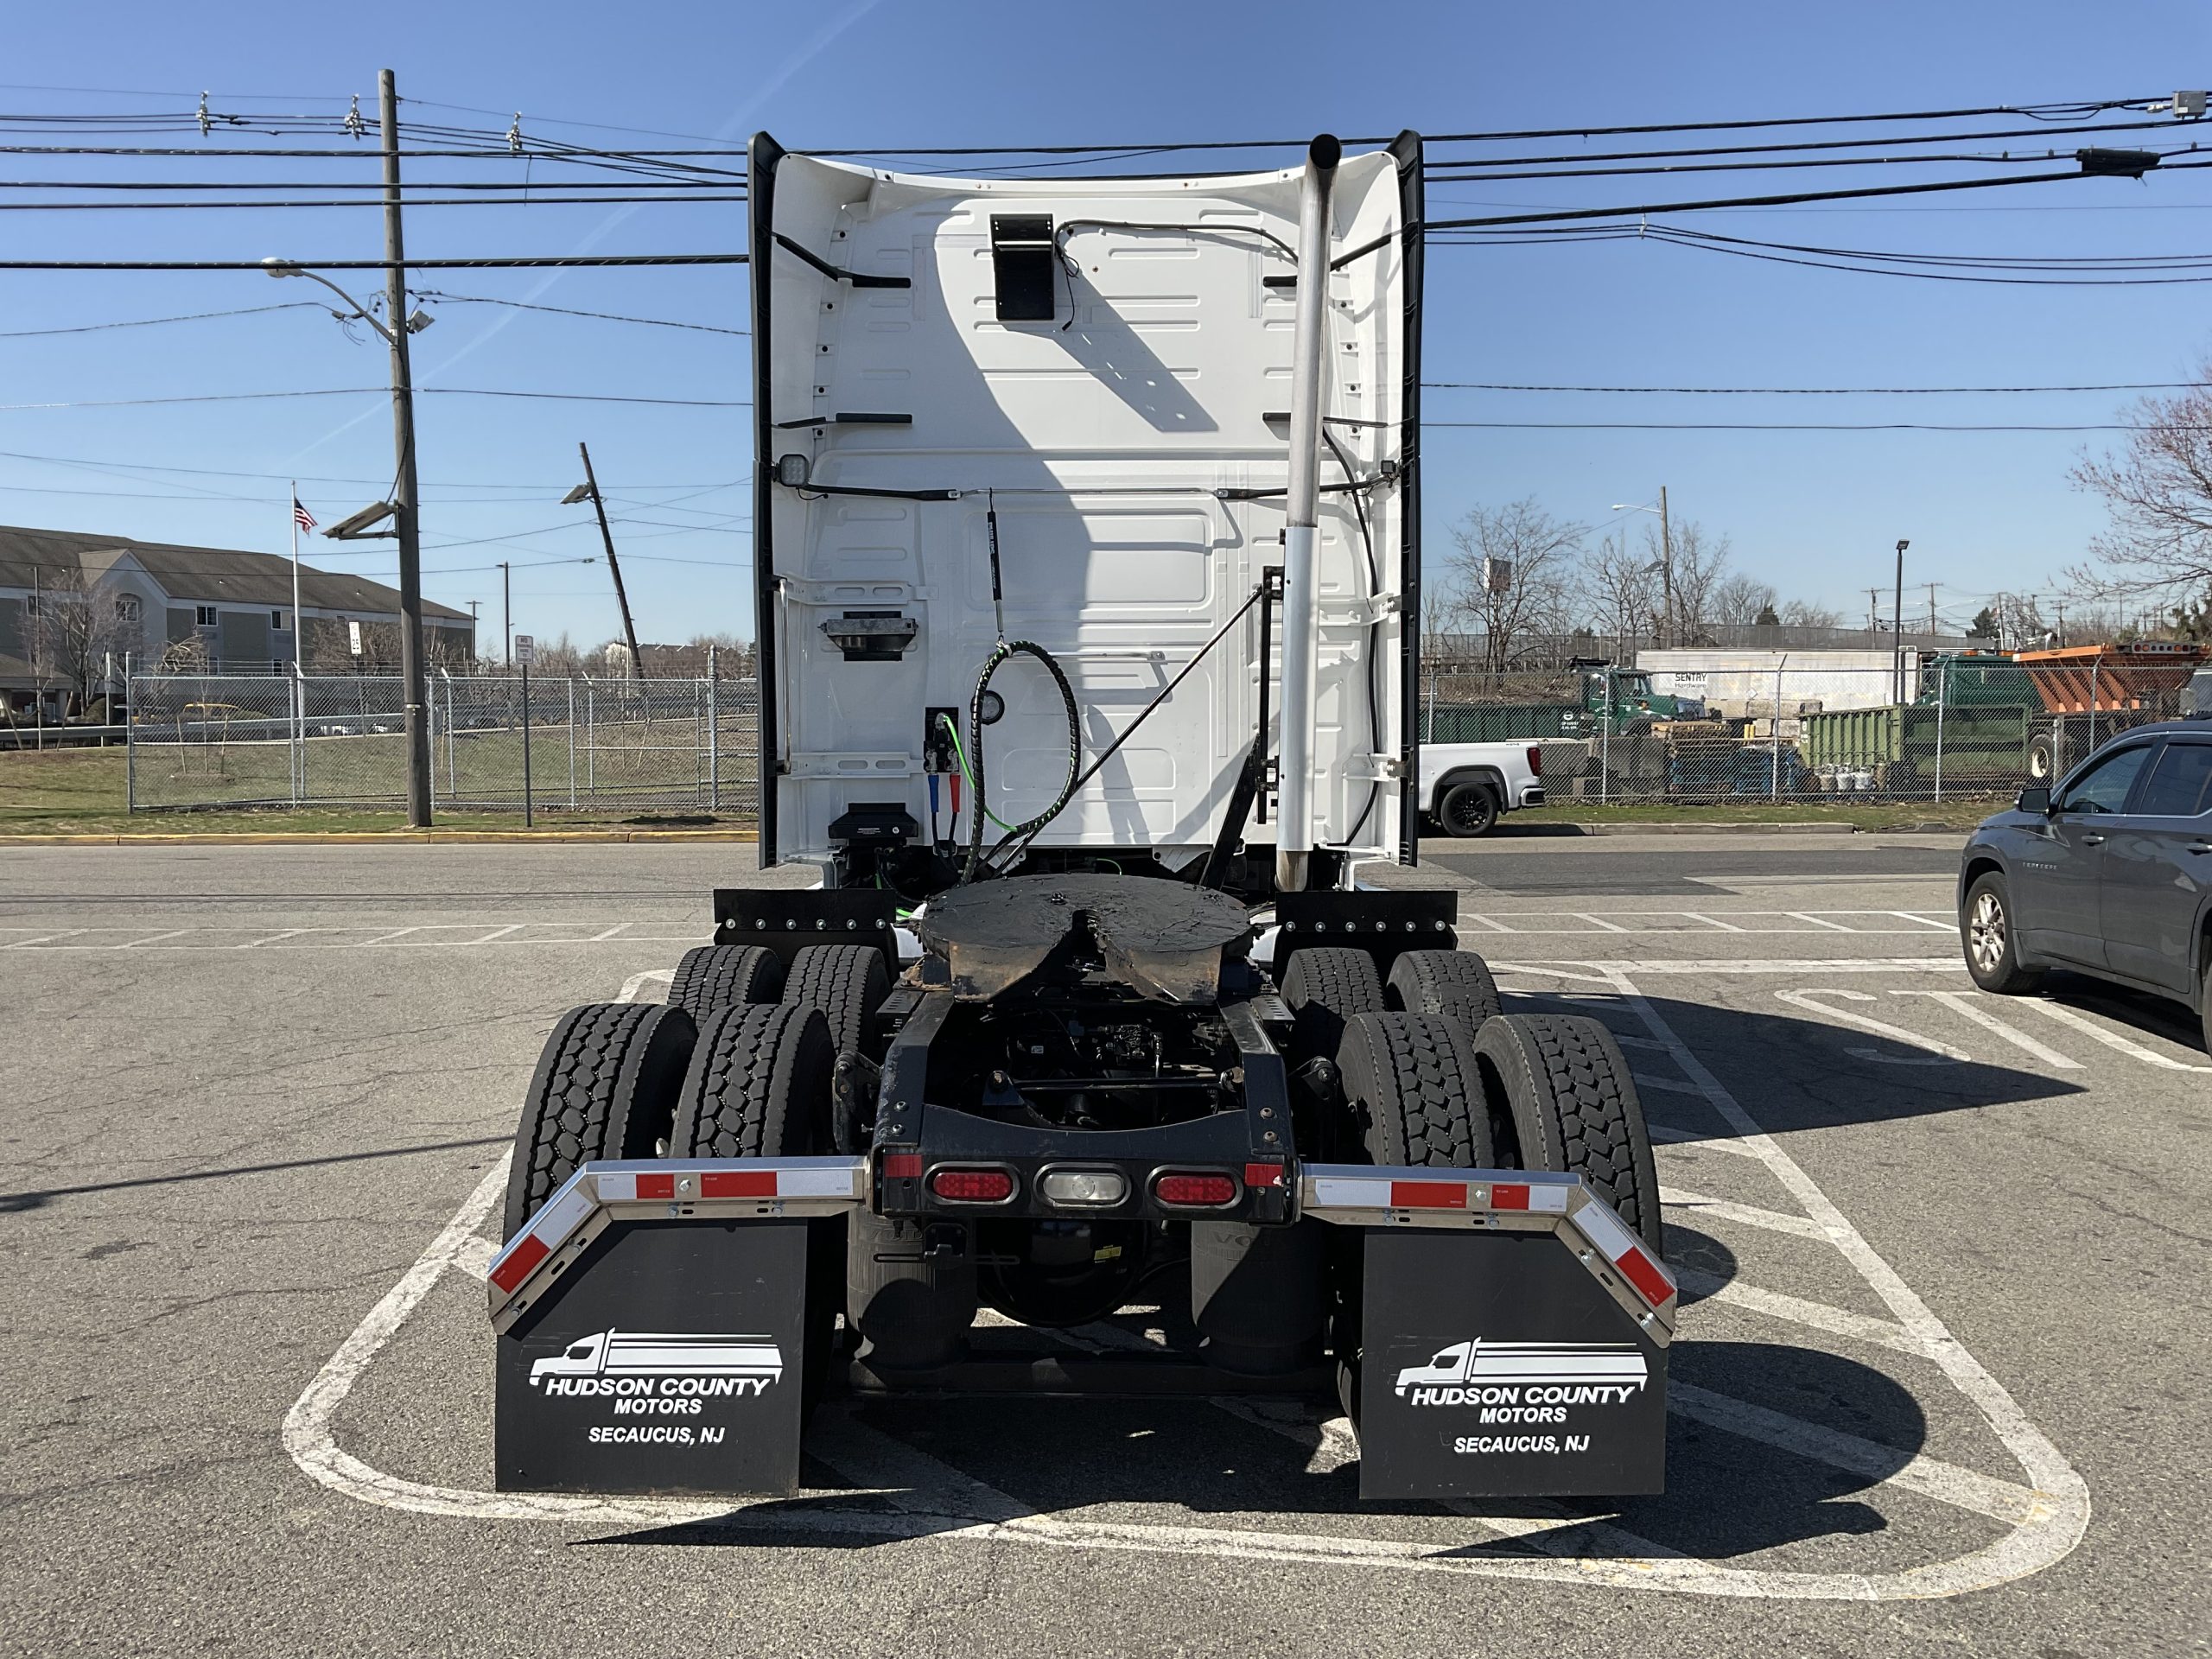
x: 670, y: 1360
x: 1495, y: 1364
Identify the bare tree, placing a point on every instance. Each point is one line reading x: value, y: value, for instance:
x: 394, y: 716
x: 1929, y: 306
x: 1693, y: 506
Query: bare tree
x: 1803, y: 614
x: 1620, y: 593
x: 1508, y: 574
x: 1700, y: 562
x: 79, y: 625
x: 1742, y: 601
x: 2158, y: 488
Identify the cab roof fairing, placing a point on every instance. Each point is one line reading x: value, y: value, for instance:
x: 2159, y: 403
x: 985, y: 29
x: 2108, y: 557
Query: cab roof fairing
x: 1102, y: 437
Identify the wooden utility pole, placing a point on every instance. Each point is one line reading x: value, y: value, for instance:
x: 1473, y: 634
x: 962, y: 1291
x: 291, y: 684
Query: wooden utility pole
x: 413, y: 688
x: 613, y: 565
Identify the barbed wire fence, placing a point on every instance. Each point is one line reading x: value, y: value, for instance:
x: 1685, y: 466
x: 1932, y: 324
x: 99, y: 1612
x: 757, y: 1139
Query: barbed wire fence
x: 595, y: 744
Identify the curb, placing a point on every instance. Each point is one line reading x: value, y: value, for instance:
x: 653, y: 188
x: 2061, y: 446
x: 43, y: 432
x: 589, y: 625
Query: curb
x: 1680, y: 827
x: 386, y: 838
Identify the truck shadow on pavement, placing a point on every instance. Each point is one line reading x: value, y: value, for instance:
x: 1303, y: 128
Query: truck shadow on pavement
x: 1185, y: 1462
x: 1791, y: 1072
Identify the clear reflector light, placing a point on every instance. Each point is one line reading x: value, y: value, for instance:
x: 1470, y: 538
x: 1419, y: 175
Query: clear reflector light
x: 1082, y: 1186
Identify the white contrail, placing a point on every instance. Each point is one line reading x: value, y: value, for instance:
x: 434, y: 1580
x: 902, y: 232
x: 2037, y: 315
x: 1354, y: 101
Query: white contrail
x: 739, y: 118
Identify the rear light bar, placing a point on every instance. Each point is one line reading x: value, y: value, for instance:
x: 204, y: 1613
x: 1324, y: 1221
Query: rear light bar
x: 1194, y: 1189
x: 1507, y: 1201
x: 951, y: 1184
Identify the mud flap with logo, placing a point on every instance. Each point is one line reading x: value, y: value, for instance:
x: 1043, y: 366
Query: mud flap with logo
x: 1495, y: 1364
x: 670, y: 1359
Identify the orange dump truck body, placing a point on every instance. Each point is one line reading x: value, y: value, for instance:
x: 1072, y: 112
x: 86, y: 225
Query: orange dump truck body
x: 2106, y: 679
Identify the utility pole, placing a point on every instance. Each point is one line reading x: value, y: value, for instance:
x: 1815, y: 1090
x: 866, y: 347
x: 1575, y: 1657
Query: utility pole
x: 1931, y: 610
x: 1666, y: 567
x: 606, y: 536
x: 507, y: 608
x: 1873, y: 615
x: 405, y: 493
x: 1896, y: 616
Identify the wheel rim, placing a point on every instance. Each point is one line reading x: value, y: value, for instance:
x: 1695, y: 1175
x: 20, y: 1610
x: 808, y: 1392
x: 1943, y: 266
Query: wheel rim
x: 1986, y: 933
x: 1468, y: 812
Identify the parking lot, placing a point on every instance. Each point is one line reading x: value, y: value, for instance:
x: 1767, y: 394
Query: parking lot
x: 1939, y: 1384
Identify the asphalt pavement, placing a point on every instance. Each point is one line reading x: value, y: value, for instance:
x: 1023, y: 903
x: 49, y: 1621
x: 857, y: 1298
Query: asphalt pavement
x: 1939, y: 1384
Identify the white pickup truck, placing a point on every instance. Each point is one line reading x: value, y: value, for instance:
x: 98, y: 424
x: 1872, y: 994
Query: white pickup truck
x: 1465, y: 786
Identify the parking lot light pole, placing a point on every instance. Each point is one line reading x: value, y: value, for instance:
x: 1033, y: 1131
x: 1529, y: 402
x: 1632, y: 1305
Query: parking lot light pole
x: 1897, y: 621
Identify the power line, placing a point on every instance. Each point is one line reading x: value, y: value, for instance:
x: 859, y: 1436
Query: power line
x: 148, y: 322
x: 568, y: 311
x: 1804, y: 426
x: 312, y: 478
x: 355, y: 391
x: 1807, y: 392
x: 568, y: 261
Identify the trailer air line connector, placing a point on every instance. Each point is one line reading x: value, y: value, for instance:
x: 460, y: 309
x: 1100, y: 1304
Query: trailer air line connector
x: 1300, y: 635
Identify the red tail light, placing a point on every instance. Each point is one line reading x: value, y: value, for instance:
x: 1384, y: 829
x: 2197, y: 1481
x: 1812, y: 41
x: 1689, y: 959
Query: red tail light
x: 1536, y: 759
x: 972, y: 1185
x: 1195, y: 1192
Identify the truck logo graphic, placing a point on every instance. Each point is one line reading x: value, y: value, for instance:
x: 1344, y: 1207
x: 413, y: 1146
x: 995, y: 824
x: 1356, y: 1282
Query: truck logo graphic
x: 1517, y: 1376
x: 625, y: 1362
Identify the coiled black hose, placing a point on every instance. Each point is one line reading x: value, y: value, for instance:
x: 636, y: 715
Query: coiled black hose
x: 1004, y: 649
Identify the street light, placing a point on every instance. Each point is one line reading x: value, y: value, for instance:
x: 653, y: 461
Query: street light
x: 401, y: 509
x: 588, y: 491
x: 1666, y: 558
x: 1896, y: 624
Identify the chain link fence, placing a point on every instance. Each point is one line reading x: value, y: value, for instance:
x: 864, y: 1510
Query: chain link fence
x: 574, y: 744
x: 1967, y: 728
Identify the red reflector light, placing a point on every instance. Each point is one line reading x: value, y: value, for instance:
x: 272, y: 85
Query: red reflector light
x: 1195, y: 1192
x: 656, y: 1186
x: 972, y: 1185
x: 902, y: 1165
x: 1535, y: 760
x: 517, y: 1267
x: 738, y: 1184
x: 1650, y: 1283
x: 1509, y: 1195
x: 1428, y: 1195
x: 1263, y: 1175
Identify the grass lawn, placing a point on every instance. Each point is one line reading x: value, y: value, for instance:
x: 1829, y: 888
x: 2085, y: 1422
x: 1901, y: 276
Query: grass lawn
x: 82, y: 791
x: 1872, y: 815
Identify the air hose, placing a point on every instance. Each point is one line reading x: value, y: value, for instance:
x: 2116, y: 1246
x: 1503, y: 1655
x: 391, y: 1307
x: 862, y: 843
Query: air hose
x: 1004, y: 649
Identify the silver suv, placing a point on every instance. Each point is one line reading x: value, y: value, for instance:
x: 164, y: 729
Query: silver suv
x: 2110, y: 874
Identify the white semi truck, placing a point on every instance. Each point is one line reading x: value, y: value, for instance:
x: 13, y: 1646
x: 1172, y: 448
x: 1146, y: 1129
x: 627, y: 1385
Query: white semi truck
x: 1087, y: 541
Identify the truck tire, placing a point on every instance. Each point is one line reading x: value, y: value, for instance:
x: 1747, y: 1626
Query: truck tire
x: 605, y: 1087
x: 757, y: 1086
x: 1468, y: 809
x: 1454, y: 984
x: 1990, y: 940
x: 722, y: 975
x: 2042, y: 757
x: 1412, y: 1084
x: 1574, y: 1109
x: 847, y: 984
x: 1324, y: 986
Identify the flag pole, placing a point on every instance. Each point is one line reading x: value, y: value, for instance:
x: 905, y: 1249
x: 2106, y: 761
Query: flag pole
x: 299, y: 644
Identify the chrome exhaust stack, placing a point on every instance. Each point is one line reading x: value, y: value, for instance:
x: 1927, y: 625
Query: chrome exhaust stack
x: 1300, y: 634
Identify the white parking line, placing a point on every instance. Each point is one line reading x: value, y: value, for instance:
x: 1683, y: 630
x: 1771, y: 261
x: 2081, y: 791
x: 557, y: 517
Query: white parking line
x: 2111, y: 1039
x: 174, y: 933
x: 933, y: 1498
x: 1806, y: 915
x: 1933, y: 1052
x: 1773, y: 1221
x: 1712, y: 921
x: 66, y: 934
x: 2060, y: 1514
x: 1989, y: 1022
x: 396, y: 933
x: 1796, y: 1310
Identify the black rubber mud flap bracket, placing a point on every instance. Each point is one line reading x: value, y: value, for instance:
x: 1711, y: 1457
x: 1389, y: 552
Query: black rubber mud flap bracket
x: 670, y: 1361
x: 1022, y: 256
x: 1381, y: 923
x: 786, y: 920
x: 1495, y: 1364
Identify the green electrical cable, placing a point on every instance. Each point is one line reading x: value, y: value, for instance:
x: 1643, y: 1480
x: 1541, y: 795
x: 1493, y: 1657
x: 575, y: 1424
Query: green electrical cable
x: 960, y: 754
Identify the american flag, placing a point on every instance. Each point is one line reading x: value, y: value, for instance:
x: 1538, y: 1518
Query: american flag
x: 300, y: 516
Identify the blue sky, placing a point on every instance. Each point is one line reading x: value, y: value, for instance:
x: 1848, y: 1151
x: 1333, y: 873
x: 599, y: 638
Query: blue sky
x: 1817, y: 514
